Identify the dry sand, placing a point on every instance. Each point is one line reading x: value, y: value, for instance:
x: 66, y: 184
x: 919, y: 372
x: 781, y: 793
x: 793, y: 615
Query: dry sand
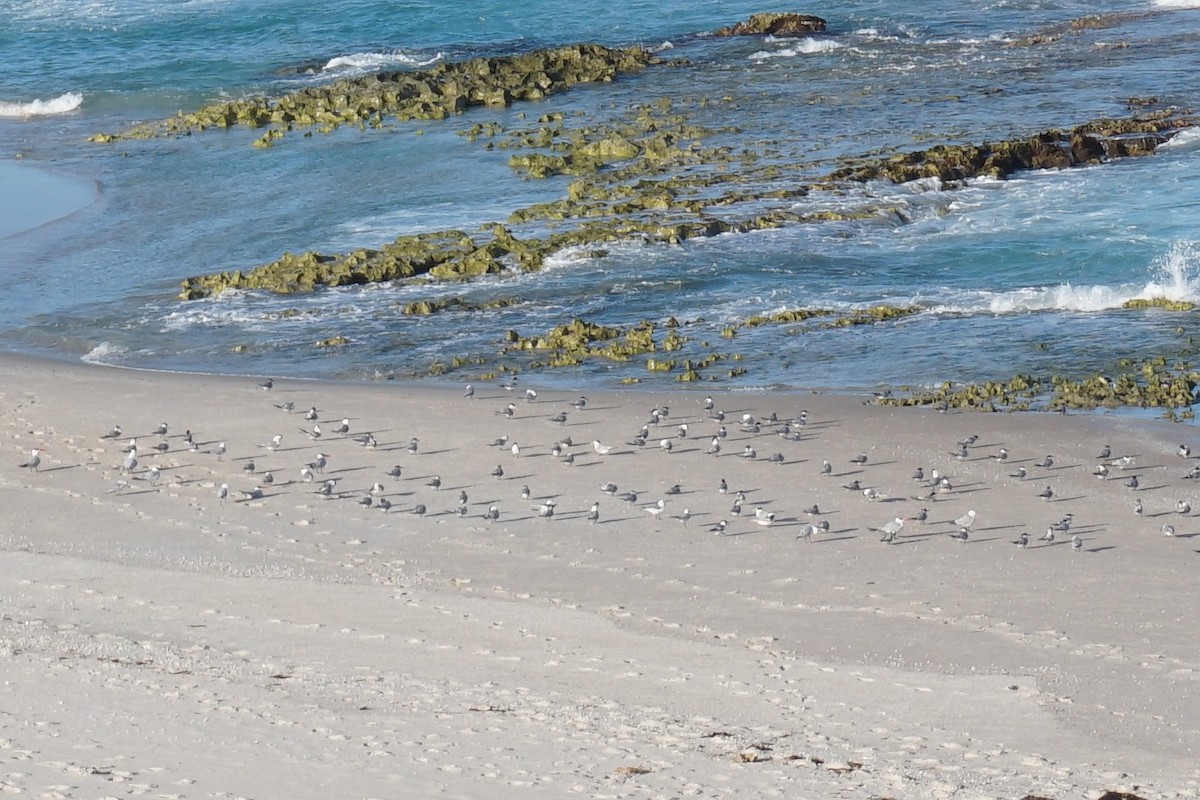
x: 158, y: 641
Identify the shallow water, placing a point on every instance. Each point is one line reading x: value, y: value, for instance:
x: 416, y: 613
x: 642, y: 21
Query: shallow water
x: 1024, y: 275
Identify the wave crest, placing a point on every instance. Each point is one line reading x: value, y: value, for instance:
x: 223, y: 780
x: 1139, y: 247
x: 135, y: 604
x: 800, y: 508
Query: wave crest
x: 372, y: 62
x: 63, y: 104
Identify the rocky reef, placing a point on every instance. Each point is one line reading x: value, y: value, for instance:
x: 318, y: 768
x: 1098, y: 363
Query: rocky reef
x: 775, y: 24
x: 432, y: 94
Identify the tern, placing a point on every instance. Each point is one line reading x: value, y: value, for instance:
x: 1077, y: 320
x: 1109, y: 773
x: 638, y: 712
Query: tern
x: 435, y: 482
x: 766, y: 519
x: 593, y: 515
x: 343, y: 427
x: 546, y: 510
x: 609, y: 488
x: 1105, y: 452
x: 1183, y: 507
x: 492, y: 514
x: 961, y: 536
x: 666, y: 446
x: 311, y: 414
x: 720, y: 527
x: 656, y: 510
x: 498, y: 472
x: 223, y: 492
x: 1167, y: 529
x: 413, y: 445
x: 1076, y: 543
x: 115, y: 433
x: 826, y: 468
x: 395, y: 472
x: 1046, y: 462
x: 469, y: 391
x: 580, y: 403
x: 859, y: 459
x: 1046, y: 493
x: 1022, y: 541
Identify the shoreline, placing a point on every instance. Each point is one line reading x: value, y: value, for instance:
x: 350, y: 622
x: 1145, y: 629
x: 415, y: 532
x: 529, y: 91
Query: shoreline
x: 635, y: 655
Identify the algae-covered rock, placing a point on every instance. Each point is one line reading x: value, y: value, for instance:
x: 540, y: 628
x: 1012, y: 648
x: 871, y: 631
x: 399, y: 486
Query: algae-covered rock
x: 769, y: 24
x: 433, y: 94
x: 1159, y: 302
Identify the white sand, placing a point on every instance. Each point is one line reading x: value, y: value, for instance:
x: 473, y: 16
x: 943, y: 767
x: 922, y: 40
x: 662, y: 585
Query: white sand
x: 159, y: 642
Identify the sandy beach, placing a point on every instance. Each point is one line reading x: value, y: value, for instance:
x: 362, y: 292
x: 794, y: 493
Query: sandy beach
x: 162, y: 641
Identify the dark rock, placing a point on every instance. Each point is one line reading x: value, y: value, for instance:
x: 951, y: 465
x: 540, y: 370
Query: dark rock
x: 768, y: 24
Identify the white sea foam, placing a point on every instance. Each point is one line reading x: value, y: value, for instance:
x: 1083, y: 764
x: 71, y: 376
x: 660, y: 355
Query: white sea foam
x: 370, y: 62
x: 1176, y: 276
x: 1177, y: 3
x: 806, y: 46
x: 103, y: 353
x: 1186, y: 139
x: 63, y: 104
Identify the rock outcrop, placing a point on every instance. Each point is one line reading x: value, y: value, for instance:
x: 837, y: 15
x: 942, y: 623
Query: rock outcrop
x: 769, y: 24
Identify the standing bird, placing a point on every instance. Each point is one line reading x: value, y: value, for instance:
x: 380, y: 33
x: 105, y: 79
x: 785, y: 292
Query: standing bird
x: 1105, y: 452
x: 413, y: 445
x: 966, y: 520
x: 1167, y: 529
x: 656, y: 510
x: 469, y: 391
x: 826, y: 468
x: 1046, y: 493
x: 601, y: 449
x: 1076, y: 543
x: 492, y: 514
x: 806, y: 533
x: 593, y: 515
x: 719, y: 528
x: 516, y: 450
x: 1137, y: 507
x: 1022, y: 541
x: 666, y: 446
x: 223, y: 492
x: 498, y: 472
x: 35, y: 459
x: 891, y: 529
x: 1183, y: 507
x: 435, y: 482
x: 546, y: 510
x: 344, y: 427
x: 1132, y: 483
x: 525, y: 493
x: 1048, y: 536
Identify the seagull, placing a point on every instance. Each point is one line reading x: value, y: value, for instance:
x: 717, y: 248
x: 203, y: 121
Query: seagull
x: 714, y: 447
x: 130, y: 463
x: 681, y: 431
x: 826, y: 468
x: 508, y: 411
x: 267, y: 478
x: 1076, y: 543
x: 530, y: 395
x: 719, y: 528
x: 1048, y: 536
x: 871, y: 494
x: 1184, y: 451
x: 306, y: 475
x: 593, y: 515
x: 685, y: 516
x: 276, y: 440
x: 666, y: 446
x: 161, y: 430
x: 765, y: 520
x: 966, y: 520
x: 1002, y: 455
x: 602, y: 449
x: 376, y: 489
x: 35, y: 459
x: 311, y: 414
x: 1183, y: 507
x: 219, y: 450
x: 1101, y: 471
x: 315, y: 433
x: 344, y: 427
x: 806, y: 533
x: 248, y: 467
x: 1193, y: 474
x: 516, y: 450
x: 469, y: 390
x: 153, y: 475
x: 223, y: 492
x: 1022, y: 541
x: 546, y: 510
x: 656, y: 510
x: 709, y: 404
x: 891, y: 529
x: 318, y: 464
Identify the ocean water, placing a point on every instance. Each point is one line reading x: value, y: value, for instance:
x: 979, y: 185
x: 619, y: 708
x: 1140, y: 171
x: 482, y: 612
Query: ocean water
x: 1017, y: 276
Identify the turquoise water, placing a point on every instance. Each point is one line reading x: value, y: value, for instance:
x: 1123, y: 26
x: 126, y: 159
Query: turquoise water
x: 1025, y: 275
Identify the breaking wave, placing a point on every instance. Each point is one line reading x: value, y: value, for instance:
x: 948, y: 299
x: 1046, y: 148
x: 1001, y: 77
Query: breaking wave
x: 63, y: 104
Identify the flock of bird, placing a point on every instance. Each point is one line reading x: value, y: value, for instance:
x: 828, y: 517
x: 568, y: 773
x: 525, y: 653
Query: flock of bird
x: 713, y: 429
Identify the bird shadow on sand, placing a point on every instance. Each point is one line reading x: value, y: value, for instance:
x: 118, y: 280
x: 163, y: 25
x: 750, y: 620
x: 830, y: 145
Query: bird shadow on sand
x: 830, y: 540
x: 1103, y: 549
x: 1068, y: 499
x: 58, y: 469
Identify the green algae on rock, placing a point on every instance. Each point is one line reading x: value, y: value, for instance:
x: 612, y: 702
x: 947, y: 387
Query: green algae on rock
x: 1159, y: 302
x: 432, y: 94
x: 775, y: 24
